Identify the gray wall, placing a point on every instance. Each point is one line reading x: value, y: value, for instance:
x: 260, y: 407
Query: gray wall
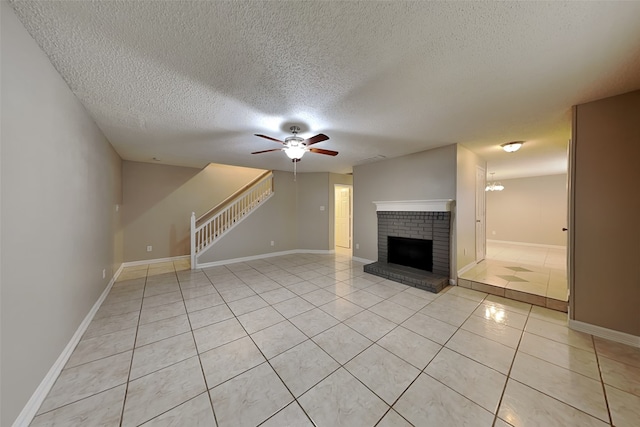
x: 605, y: 288
x: 276, y: 220
x: 464, y: 218
x: 529, y: 210
x: 291, y: 218
x: 159, y: 199
x: 426, y: 175
x: 60, y: 185
x: 313, y: 223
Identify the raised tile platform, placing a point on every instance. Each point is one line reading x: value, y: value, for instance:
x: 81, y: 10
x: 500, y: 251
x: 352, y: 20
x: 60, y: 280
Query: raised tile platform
x: 408, y: 275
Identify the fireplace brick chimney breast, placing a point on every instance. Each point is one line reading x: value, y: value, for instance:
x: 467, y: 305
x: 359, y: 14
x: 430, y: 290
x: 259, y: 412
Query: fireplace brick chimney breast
x: 435, y: 226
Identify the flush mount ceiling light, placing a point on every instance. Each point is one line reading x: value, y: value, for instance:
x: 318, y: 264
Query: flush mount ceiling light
x: 511, y: 147
x: 494, y: 186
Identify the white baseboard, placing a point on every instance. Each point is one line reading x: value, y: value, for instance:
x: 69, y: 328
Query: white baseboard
x: 467, y: 268
x: 605, y: 333
x: 262, y: 256
x: 362, y: 260
x: 537, y: 245
x: 31, y: 408
x: 155, y: 261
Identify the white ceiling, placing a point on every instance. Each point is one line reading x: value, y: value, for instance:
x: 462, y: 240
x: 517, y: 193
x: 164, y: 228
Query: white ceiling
x: 191, y: 82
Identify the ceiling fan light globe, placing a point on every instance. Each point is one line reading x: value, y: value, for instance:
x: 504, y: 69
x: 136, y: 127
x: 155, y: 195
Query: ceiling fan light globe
x: 295, y: 152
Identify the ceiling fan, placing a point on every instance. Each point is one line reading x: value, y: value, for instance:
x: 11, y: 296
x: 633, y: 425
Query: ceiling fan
x: 295, y: 146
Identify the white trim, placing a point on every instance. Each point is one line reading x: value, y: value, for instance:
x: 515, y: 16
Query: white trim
x: 605, y: 333
x: 261, y: 256
x: 362, y: 260
x: 435, y: 205
x: 467, y: 268
x: 31, y: 408
x: 155, y: 261
x: 537, y: 245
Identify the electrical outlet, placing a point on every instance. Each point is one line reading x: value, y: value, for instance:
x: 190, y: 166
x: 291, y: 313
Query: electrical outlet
x: 493, y: 232
x: 357, y: 245
x: 321, y: 208
x: 149, y: 248
x: 117, y: 208
x: 273, y: 243
x: 104, y: 273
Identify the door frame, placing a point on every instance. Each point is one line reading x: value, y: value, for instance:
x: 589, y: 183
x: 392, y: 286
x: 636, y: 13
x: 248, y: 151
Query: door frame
x: 336, y: 188
x: 571, y: 214
x: 480, y: 195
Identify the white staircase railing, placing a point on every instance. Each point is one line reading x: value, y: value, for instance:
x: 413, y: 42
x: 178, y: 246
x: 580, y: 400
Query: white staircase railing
x: 210, y: 227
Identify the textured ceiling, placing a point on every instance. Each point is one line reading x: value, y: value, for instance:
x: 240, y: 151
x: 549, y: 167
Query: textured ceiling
x: 190, y: 82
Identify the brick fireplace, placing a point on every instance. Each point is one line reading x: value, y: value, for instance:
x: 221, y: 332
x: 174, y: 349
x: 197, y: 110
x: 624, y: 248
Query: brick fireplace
x: 417, y: 230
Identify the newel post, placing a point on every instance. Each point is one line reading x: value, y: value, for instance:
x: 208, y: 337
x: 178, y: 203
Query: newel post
x: 193, y: 240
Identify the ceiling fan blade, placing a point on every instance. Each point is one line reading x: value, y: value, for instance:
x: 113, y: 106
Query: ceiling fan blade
x: 268, y: 137
x: 321, y: 151
x: 315, y: 139
x: 266, y: 151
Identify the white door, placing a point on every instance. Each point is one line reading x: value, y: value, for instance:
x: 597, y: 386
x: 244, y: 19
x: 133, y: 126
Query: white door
x: 481, y: 238
x: 343, y: 216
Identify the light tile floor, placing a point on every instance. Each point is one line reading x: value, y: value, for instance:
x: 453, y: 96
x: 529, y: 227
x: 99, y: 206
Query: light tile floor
x: 526, y: 273
x: 304, y: 340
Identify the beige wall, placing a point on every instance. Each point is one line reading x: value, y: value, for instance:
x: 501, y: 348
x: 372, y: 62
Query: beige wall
x: 275, y: 220
x: 313, y: 224
x: 159, y: 199
x: 60, y: 185
x: 335, y: 178
x: 292, y: 219
x: 465, y: 211
x: 529, y: 210
x: 605, y: 289
x: 426, y: 175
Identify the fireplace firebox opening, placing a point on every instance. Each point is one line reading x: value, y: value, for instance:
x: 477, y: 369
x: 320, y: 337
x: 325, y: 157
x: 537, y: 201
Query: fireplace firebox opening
x: 416, y: 253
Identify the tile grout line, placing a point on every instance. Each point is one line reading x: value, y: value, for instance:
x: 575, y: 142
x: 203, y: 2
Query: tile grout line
x: 269, y: 363
x: 342, y: 365
x: 126, y: 390
x: 444, y: 346
x: 272, y: 368
x: 604, y: 389
x: 195, y: 344
x: 338, y: 297
x: 172, y: 364
x: 76, y: 401
x: 541, y: 392
x: 515, y: 354
x: 422, y: 371
x: 310, y: 339
x: 375, y: 342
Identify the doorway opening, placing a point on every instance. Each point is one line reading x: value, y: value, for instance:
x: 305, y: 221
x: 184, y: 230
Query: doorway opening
x: 343, y: 218
x: 526, y: 246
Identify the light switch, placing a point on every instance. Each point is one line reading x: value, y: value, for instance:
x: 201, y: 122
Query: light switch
x: 321, y: 208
